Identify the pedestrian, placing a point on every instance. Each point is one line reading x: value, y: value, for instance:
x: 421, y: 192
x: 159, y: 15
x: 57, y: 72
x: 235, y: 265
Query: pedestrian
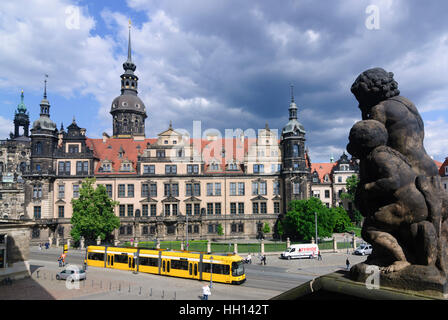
x: 249, y: 258
x: 347, y: 263
x: 263, y: 259
x: 60, y: 261
x: 205, y: 292
x: 319, y: 257
x: 40, y: 246
x: 47, y: 245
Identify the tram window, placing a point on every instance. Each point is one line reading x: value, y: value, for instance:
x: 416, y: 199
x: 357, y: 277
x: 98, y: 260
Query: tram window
x: 217, y: 268
x: 237, y: 268
x: 96, y: 256
x: 121, y: 258
x: 180, y: 265
x: 144, y: 261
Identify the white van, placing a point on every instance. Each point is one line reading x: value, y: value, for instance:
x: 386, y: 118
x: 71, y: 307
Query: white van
x: 307, y: 250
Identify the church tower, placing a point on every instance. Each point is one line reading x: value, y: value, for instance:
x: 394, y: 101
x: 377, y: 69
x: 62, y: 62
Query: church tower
x: 21, y: 119
x: 295, y: 169
x: 128, y: 110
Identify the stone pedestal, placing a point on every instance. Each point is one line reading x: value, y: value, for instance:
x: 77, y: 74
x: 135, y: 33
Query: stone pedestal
x: 82, y: 243
x: 235, y: 248
x: 209, y: 246
x: 339, y: 286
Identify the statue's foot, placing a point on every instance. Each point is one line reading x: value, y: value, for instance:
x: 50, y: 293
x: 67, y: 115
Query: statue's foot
x: 396, y: 266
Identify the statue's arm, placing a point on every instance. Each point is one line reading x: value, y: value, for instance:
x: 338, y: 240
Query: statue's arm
x: 378, y: 113
x: 387, y: 170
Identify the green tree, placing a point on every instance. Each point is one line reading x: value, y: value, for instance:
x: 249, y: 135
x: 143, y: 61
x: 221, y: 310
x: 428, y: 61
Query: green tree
x: 341, y: 219
x: 219, y: 230
x: 351, y: 185
x: 93, y: 213
x: 299, y: 221
x: 266, y: 228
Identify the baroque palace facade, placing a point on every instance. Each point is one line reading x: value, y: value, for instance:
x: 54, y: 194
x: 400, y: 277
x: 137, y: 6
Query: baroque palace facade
x: 166, y: 186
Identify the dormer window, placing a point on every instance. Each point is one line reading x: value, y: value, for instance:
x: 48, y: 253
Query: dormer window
x: 214, y: 167
x: 106, y: 167
x: 126, y: 166
x: 73, y: 148
x: 446, y: 170
x: 160, y: 153
x: 344, y: 167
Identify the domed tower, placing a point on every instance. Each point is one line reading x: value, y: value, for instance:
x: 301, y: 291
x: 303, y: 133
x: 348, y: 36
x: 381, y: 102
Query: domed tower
x: 21, y: 119
x: 128, y: 110
x: 295, y: 171
x: 43, y: 139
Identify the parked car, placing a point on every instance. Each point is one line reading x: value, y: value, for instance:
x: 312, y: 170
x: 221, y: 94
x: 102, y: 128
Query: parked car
x: 77, y: 274
x: 363, y: 249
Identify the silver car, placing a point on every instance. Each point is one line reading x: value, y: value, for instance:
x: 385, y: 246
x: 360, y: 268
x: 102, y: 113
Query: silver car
x: 74, y: 273
x: 363, y: 249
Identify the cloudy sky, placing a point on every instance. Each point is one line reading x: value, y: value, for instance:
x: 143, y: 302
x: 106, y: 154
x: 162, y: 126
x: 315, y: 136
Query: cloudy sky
x: 227, y: 63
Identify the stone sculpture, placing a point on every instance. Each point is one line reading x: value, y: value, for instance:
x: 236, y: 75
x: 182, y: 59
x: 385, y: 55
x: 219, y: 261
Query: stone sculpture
x: 400, y: 193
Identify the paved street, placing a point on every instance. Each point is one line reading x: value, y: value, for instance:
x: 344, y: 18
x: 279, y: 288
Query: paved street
x: 263, y: 282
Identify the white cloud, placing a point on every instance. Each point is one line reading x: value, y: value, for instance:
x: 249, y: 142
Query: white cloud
x: 436, y: 138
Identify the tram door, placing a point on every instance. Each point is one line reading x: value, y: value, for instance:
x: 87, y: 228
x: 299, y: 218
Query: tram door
x: 110, y: 261
x: 131, y: 263
x: 166, y: 266
x: 193, y: 270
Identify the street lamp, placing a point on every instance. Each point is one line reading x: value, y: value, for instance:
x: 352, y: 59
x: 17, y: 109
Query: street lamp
x: 315, y: 224
x: 211, y: 271
x: 187, y: 231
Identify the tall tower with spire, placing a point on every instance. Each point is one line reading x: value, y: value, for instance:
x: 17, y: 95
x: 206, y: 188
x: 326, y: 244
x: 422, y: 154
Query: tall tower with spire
x: 128, y: 110
x: 295, y: 171
x: 21, y: 119
x: 43, y: 138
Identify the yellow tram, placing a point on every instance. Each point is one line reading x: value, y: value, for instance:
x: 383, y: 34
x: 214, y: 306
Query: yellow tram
x: 225, y: 268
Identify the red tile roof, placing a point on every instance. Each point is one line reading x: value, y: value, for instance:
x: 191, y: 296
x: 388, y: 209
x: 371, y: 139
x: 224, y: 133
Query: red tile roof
x: 323, y: 169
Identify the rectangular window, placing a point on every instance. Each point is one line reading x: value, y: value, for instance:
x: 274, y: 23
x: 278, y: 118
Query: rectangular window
x: 85, y: 167
x: 130, y: 210
x: 255, y: 207
x: 37, y: 191
x: 121, y: 191
x: 73, y: 148
x: 145, y: 190
x: 76, y: 190
x: 78, y: 167
x: 160, y: 153
x: 174, y: 209
x: 61, y: 191
x: 149, y: 169
x: 276, y: 188
x: 189, y: 189
x: 233, y: 208
x: 258, y: 168
x: 67, y: 168
x: 296, y: 188
x: 122, y: 210
x: 197, y: 209
x: 218, y: 208
x: 130, y: 190
x: 188, y: 209
x: 175, y: 190
x: 241, y: 188
x: 254, y: 188
x: 145, y: 210
x: 209, y: 208
x: 263, y: 188
x: 209, y: 189
x: 240, y: 207
x: 61, y: 167
x: 263, y: 207
x: 233, y: 188
x: 192, y: 168
x: 61, y: 211
x: 197, y: 189
x: 153, y: 210
x: 276, y: 207
x: 37, y: 212
x: 109, y: 190
x: 153, y: 190
x: 217, y: 189
x: 167, y: 210
x: 327, y: 194
x: 170, y: 169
